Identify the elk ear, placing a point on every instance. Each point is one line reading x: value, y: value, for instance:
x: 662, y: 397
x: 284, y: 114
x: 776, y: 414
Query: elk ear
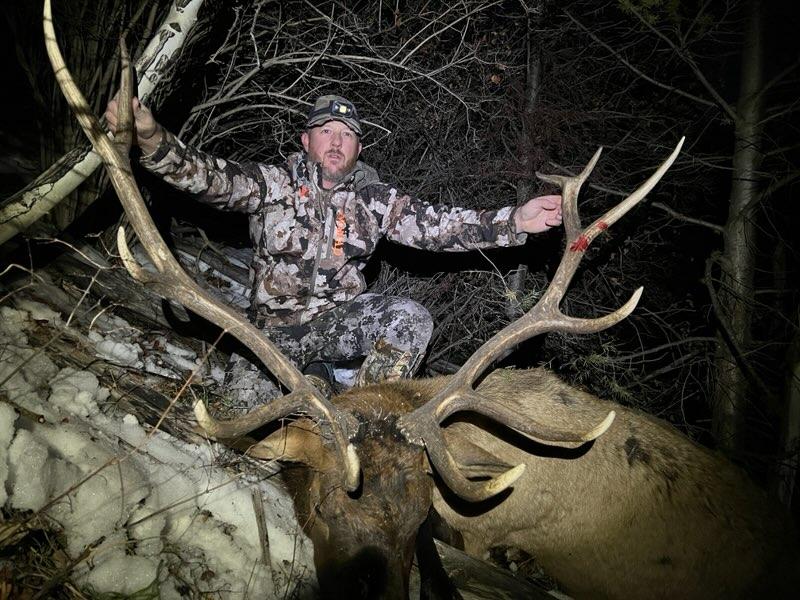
x: 298, y: 441
x: 473, y: 461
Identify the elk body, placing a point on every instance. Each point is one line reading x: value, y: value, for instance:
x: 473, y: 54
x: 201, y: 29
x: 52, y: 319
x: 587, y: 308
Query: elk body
x: 641, y: 512
x: 365, y: 487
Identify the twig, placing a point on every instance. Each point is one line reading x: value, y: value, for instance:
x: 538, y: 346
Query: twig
x: 64, y: 572
x: 693, y: 220
x: 263, y: 532
x: 636, y: 70
x: 643, y: 353
x: 687, y: 58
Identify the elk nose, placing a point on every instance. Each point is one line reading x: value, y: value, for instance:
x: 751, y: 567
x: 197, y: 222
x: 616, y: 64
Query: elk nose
x: 364, y: 575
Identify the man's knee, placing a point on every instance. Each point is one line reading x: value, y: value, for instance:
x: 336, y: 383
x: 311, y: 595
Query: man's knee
x: 409, y: 325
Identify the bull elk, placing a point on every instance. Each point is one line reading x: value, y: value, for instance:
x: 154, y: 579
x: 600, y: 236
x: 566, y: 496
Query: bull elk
x: 623, y: 511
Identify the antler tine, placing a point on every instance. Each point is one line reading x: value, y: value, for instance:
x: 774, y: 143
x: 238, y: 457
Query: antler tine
x: 172, y: 282
x: 570, y: 189
x: 476, y: 491
x: 233, y: 428
x: 578, y: 241
x: 421, y: 426
x: 430, y: 434
x: 123, y: 138
x: 447, y: 469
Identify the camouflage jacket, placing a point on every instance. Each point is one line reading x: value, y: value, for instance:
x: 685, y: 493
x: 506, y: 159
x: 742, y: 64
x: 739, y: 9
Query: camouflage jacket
x: 311, y: 244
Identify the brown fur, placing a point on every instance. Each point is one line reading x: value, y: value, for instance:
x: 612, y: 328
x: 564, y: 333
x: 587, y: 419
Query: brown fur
x: 642, y: 512
x: 364, y: 541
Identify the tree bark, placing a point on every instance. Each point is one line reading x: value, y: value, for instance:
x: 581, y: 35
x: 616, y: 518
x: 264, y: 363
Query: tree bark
x: 478, y: 579
x: 738, y: 259
x: 516, y: 283
x: 786, y: 481
x: 40, y: 197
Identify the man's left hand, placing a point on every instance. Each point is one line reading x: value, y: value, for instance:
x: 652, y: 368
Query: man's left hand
x: 538, y: 214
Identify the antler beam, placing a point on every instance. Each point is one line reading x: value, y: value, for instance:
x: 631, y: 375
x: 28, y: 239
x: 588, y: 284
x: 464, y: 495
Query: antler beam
x: 171, y: 281
x: 423, y: 425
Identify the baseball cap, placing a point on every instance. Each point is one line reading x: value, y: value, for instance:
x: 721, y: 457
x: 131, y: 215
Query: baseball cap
x: 334, y: 108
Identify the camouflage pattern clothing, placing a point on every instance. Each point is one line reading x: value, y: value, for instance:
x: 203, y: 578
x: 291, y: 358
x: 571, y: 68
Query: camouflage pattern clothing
x: 353, y: 329
x: 392, y: 332
x: 311, y: 245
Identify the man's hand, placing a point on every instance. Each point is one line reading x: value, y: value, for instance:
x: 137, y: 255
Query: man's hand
x: 148, y: 131
x: 538, y: 214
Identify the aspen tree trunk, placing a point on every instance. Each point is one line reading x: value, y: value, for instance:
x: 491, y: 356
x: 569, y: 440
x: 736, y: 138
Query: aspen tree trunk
x: 41, y: 196
x: 738, y: 259
x: 786, y: 481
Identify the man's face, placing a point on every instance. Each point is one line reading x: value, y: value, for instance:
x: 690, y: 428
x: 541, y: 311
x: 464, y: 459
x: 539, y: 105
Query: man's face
x: 335, y: 147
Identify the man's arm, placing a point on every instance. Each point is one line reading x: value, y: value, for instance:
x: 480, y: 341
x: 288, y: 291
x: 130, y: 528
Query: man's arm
x: 225, y: 184
x: 414, y: 222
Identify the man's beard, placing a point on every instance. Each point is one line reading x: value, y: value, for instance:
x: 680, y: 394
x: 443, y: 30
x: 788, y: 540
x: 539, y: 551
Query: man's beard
x: 340, y: 174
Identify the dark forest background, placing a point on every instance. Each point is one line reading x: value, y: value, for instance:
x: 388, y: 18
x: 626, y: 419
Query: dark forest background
x: 463, y: 103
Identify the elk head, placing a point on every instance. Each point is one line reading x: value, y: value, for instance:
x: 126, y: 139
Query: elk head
x: 367, y: 490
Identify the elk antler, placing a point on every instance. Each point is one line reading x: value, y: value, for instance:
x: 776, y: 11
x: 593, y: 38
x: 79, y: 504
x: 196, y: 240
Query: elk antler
x: 172, y: 282
x: 423, y: 425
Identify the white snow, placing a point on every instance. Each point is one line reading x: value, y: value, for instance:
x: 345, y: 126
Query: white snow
x: 76, y: 392
x: 152, y: 511
x: 126, y: 574
x: 345, y: 376
x: 39, y: 312
x: 22, y: 369
x: 119, y: 353
x: 28, y: 472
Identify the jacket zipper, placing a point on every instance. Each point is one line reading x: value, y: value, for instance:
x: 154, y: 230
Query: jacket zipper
x: 326, y: 241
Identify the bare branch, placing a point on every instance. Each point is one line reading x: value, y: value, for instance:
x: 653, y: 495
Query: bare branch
x: 636, y: 70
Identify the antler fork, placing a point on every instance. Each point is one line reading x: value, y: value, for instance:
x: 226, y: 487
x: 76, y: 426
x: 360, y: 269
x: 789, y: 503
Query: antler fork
x: 423, y: 425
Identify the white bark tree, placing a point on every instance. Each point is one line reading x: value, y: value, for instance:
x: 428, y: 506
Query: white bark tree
x: 39, y: 198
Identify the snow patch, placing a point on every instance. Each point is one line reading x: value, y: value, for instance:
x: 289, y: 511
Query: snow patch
x: 24, y: 372
x: 121, y: 573
x: 29, y: 472
x: 120, y: 353
x: 76, y: 392
x: 152, y: 510
x: 39, y: 312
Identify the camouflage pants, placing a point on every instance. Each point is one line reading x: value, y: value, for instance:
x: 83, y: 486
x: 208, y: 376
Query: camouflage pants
x: 390, y: 333
x: 353, y: 330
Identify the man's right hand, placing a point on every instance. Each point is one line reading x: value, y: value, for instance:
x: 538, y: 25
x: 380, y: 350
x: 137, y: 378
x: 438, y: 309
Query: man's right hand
x: 148, y: 131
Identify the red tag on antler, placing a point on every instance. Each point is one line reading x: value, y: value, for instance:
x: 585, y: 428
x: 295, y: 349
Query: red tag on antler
x: 580, y: 245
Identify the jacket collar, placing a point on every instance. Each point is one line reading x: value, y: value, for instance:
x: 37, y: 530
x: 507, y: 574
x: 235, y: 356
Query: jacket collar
x: 306, y: 172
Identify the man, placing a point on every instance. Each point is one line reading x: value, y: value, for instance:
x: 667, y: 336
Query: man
x: 314, y: 222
